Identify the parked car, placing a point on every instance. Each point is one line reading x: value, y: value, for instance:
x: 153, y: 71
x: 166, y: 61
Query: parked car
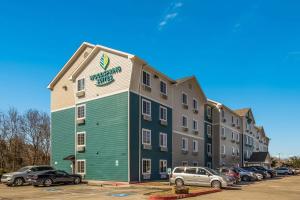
x: 201, y: 176
x: 230, y: 172
x: 245, y: 175
x: 20, y: 177
x: 264, y: 173
x: 51, y: 177
x: 271, y: 172
x: 284, y: 171
x: 297, y: 170
x: 259, y: 177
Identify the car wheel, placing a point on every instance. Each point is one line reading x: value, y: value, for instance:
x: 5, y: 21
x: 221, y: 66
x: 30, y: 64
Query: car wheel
x: 19, y: 182
x: 77, y: 180
x: 179, y: 182
x: 47, y: 182
x: 216, y: 184
x: 245, y: 178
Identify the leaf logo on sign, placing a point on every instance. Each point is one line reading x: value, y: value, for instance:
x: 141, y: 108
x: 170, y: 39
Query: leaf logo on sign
x: 104, y: 61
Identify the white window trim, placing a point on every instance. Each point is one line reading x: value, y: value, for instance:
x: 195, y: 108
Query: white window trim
x: 149, y: 78
x: 208, y: 113
x: 187, y: 163
x: 166, y: 87
x: 166, y: 166
x: 223, y: 132
x: 144, y: 129
x: 197, y: 104
x: 232, y: 135
x: 208, y: 125
x: 233, y: 151
x: 186, y: 144
x: 208, y: 145
x: 146, y: 173
x: 82, y: 132
x: 187, y: 98
x: 81, y: 105
x: 145, y: 100
x: 164, y: 108
x: 224, y: 148
x: 187, y: 121
x: 77, y: 84
x: 197, y: 145
x: 161, y: 133
x: 81, y: 160
x: 197, y: 128
x: 237, y: 137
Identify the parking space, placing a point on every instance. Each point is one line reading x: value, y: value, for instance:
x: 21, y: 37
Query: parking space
x: 278, y: 188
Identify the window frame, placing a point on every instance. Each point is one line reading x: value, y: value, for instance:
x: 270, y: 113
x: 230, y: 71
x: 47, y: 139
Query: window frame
x: 146, y: 159
x: 148, y: 73
x: 184, y: 116
x: 197, y: 145
x: 147, y: 101
x: 223, y: 147
x: 186, y: 144
x: 150, y: 138
x: 208, y: 127
x: 166, y: 139
x: 77, y: 107
x: 77, y: 168
x: 223, y: 132
x: 164, y: 82
x: 184, y: 165
x: 83, y: 78
x: 197, y: 103
x: 78, y: 133
x: 197, y: 127
x: 210, y: 150
x: 163, y: 108
x: 166, y: 163
x: 183, y: 93
x: 208, y: 112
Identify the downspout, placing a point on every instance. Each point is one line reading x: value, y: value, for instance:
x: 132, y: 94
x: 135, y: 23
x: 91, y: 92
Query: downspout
x: 218, y: 106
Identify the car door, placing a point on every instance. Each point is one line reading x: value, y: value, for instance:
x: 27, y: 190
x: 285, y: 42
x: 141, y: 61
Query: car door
x: 64, y: 177
x: 189, y: 175
x: 202, y: 177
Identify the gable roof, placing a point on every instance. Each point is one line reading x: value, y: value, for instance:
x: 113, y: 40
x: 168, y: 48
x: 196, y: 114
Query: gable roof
x: 69, y: 63
x: 221, y: 105
x: 259, y: 157
x: 244, y: 111
x: 183, y: 80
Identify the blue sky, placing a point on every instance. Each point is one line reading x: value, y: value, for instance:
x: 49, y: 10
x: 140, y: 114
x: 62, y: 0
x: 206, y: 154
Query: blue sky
x: 244, y: 53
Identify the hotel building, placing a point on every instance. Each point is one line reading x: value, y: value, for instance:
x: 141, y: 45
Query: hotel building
x: 116, y: 118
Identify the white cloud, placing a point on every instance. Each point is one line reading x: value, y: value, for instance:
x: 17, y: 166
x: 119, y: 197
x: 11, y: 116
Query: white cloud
x: 171, y: 13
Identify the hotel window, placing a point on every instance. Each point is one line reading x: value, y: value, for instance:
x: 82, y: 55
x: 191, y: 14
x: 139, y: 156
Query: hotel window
x: 208, y: 130
x: 163, y: 140
x: 163, y: 87
x: 195, y: 146
x: 223, y: 150
x: 81, y: 139
x: 146, y: 107
x: 195, y: 163
x: 195, y: 104
x: 232, y: 135
x: 162, y: 166
x: 223, y: 132
x: 184, y: 163
x: 184, y: 121
x: 208, y: 111
x: 184, y: 144
x: 146, y: 166
x: 232, y: 119
x: 184, y: 99
x: 146, y: 136
x: 80, y: 85
x: 81, y: 111
x: 81, y: 166
x: 233, y: 151
x: 223, y: 113
x: 237, y: 137
x: 163, y: 113
x: 146, y: 78
x: 237, y: 152
x: 195, y: 125
x: 237, y: 121
x: 208, y: 149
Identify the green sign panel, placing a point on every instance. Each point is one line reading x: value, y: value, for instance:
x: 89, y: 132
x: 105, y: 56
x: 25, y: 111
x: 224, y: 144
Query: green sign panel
x: 106, y: 77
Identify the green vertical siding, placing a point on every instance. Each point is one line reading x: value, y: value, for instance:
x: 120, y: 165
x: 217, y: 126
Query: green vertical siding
x: 62, y: 138
x: 106, y: 130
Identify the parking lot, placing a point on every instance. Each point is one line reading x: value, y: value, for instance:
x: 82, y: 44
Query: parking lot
x: 278, y: 188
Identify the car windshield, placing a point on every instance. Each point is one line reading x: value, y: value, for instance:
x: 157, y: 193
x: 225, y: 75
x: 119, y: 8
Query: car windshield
x: 214, y: 172
x: 23, y: 169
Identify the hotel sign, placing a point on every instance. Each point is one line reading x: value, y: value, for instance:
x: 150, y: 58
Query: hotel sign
x: 106, y: 77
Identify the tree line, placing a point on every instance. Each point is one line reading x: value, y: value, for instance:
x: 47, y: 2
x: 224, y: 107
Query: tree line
x: 24, y: 139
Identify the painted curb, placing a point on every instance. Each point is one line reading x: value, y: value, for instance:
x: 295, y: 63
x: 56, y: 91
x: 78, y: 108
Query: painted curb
x: 181, y: 196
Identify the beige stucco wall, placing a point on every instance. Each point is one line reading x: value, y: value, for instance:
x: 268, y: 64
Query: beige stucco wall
x: 61, y: 98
